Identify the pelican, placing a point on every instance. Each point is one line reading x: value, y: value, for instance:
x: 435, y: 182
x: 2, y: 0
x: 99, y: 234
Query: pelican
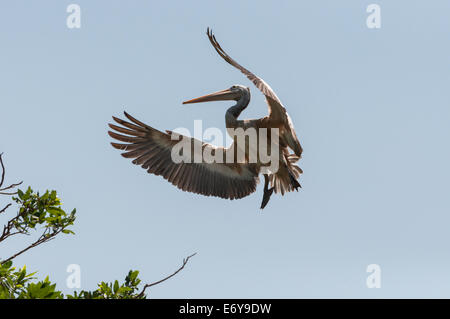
x: 151, y: 148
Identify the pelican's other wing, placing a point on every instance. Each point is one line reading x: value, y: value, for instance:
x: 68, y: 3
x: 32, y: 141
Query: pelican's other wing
x: 152, y: 150
x: 259, y: 83
x: 276, y: 109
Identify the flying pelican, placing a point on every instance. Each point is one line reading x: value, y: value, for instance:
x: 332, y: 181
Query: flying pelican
x: 151, y: 149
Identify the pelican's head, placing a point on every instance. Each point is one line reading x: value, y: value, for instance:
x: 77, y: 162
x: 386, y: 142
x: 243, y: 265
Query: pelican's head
x: 236, y: 92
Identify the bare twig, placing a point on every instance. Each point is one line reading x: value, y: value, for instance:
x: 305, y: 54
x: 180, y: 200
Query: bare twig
x: 2, y: 179
x: 4, y: 208
x: 1, y: 193
x: 7, y: 228
x: 9, y: 187
x: 10, y: 224
x: 45, y: 237
x: 185, y: 261
x: 3, y: 170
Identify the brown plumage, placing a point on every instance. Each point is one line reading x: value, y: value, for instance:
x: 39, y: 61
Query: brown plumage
x: 278, y: 116
x: 152, y: 149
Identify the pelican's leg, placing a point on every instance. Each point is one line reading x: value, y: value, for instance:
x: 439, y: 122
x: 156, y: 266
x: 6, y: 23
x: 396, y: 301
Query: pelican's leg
x: 267, y: 192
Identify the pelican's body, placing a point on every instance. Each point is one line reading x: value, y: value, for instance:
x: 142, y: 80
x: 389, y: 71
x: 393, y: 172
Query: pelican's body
x: 151, y: 148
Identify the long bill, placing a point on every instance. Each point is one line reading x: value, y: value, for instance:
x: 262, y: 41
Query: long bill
x: 223, y: 95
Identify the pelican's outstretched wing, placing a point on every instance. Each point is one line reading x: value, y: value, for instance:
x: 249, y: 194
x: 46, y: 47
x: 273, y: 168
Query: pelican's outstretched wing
x: 276, y: 109
x: 152, y: 150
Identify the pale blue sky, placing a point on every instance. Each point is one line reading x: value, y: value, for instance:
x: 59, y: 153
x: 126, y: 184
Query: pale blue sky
x: 371, y: 108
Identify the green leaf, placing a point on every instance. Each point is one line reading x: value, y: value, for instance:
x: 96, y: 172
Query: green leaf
x: 20, y: 194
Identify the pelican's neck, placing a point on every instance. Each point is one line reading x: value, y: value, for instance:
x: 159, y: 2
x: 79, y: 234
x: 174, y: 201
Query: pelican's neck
x: 233, y: 112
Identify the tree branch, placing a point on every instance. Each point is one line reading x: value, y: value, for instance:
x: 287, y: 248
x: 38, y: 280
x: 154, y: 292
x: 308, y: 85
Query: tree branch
x: 185, y: 261
x: 3, y: 170
x: 7, y: 228
x: 10, y: 225
x: 2, y: 179
x: 45, y: 237
x: 9, y: 187
x: 5, y: 208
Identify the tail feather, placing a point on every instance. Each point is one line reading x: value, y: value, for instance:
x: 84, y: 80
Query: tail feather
x: 295, y: 184
x: 285, y: 180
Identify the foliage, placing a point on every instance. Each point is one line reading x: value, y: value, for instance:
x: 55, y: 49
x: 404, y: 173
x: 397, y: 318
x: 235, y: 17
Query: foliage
x: 13, y: 282
x: 45, y: 211
x: 45, y: 214
x: 35, y: 211
x: 126, y: 290
x: 18, y: 284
